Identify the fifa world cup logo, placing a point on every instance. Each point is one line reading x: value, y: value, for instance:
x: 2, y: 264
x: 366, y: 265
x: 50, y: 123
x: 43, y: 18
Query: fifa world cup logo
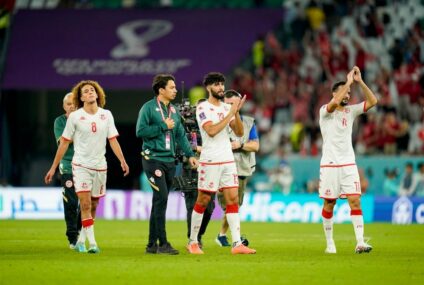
x: 136, y: 44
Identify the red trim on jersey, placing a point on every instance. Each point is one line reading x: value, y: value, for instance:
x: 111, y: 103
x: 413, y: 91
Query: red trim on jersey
x: 206, y: 190
x: 215, y: 163
x: 89, y: 167
x: 327, y: 215
x: 354, y: 194
x: 66, y: 139
x: 232, y: 209
x: 82, y: 191
x: 227, y: 187
x: 87, y: 222
x: 356, y: 212
x: 325, y: 198
x: 98, y: 197
x: 336, y: 165
x: 199, y: 208
x: 112, y: 138
x: 365, y: 106
x: 207, y: 122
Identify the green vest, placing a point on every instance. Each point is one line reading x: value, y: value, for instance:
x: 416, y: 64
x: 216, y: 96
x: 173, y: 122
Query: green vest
x: 65, y: 166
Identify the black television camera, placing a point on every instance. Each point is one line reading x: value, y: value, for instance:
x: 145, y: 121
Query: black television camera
x: 187, y: 181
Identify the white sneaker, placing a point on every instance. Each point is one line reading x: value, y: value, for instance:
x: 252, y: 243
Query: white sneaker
x: 72, y: 246
x: 363, y: 247
x: 331, y: 249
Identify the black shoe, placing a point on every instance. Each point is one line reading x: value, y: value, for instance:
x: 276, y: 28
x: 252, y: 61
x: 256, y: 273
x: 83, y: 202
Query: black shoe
x: 153, y: 249
x: 244, y: 240
x: 167, y: 249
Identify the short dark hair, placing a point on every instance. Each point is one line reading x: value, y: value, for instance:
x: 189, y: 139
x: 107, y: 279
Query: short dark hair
x: 337, y: 85
x: 160, y: 81
x: 232, y: 93
x: 213, y: 77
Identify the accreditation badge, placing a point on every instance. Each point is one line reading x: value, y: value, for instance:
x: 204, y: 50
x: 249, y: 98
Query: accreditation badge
x: 168, y: 140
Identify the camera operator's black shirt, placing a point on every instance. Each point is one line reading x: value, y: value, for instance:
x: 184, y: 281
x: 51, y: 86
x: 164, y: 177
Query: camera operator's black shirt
x: 152, y: 129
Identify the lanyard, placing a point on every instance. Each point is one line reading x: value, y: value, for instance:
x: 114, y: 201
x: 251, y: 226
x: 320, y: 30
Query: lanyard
x: 161, y: 112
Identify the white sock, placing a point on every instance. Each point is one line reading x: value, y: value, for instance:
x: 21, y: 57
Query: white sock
x: 328, y: 230
x: 234, y: 223
x: 82, y: 236
x: 222, y: 235
x: 358, y: 226
x: 90, y: 235
x: 196, y: 222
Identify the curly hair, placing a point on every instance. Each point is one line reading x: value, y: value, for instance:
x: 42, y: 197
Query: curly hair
x: 213, y: 77
x: 77, y: 93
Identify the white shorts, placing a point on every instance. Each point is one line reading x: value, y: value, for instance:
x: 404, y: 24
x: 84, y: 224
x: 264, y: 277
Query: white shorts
x: 89, y: 180
x: 339, y: 182
x: 218, y: 176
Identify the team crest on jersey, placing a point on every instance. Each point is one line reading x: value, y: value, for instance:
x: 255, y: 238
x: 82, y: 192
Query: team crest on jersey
x: 327, y: 192
x: 158, y: 173
x: 103, y: 117
x: 82, y: 118
x: 84, y: 186
x: 212, y: 109
x: 69, y: 183
x: 172, y: 109
x: 210, y: 185
x: 202, y: 116
x: 202, y: 171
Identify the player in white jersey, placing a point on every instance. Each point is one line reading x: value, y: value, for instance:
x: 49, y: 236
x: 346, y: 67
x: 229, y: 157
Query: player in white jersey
x: 339, y: 176
x: 89, y: 127
x: 217, y: 170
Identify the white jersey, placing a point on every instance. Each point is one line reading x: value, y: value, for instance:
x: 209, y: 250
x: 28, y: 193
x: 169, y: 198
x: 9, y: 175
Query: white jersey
x: 89, y: 133
x: 218, y: 148
x: 336, y: 130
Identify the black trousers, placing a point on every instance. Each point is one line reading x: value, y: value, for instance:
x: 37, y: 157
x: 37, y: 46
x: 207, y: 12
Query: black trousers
x: 71, y: 208
x: 190, y: 199
x: 160, y: 176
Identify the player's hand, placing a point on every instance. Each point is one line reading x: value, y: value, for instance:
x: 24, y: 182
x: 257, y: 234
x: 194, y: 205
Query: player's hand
x: 49, y: 176
x: 349, y: 77
x: 234, y: 106
x: 169, y: 123
x: 241, y: 103
x: 235, y: 145
x: 125, y: 168
x: 193, y: 162
x: 357, y: 74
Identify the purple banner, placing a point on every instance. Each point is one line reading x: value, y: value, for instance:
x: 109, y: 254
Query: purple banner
x: 123, y: 49
x: 136, y: 205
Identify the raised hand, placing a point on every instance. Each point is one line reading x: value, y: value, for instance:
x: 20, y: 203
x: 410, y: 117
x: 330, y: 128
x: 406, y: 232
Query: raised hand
x: 241, y: 103
x: 349, y: 76
x: 357, y: 74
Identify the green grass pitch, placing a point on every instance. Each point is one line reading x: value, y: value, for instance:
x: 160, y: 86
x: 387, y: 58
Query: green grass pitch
x: 36, y: 252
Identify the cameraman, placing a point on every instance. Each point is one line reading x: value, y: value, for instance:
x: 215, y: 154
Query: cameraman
x: 244, y: 149
x: 186, y: 181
